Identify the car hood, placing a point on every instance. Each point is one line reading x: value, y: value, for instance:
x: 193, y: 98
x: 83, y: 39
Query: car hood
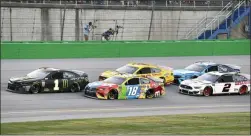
x: 101, y: 84
x: 22, y: 79
x: 184, y: 72
x: 195, y: 82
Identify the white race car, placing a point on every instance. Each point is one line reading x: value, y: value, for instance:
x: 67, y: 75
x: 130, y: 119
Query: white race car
x: 216, y: 83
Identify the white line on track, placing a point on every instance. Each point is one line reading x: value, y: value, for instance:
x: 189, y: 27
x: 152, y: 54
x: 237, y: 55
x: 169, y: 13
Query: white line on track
x: 121, y: 109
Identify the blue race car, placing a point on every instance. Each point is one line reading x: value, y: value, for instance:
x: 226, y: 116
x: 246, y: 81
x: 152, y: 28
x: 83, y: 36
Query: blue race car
x: 198, y: 68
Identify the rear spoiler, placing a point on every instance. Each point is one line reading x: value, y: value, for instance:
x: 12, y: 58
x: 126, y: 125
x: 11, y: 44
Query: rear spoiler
x: 82, y: 73
x: 165, y: 67
x: 246, y: 75
x: 156, y: 79
x: 234, y: 66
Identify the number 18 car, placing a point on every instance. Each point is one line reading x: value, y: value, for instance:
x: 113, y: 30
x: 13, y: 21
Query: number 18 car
x: 216, y: 83
x: 125, y: 87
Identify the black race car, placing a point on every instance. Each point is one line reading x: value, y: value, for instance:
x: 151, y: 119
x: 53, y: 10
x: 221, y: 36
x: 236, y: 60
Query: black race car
x: 47, y: 79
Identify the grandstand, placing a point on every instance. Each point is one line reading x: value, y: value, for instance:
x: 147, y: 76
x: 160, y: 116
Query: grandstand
x: 55, y: 20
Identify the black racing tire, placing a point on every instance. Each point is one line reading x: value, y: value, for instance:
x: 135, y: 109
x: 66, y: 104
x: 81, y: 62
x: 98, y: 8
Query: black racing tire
x: 112, y: 95
x: 75, y: 87
x: 35, y: 88
x: 207, y: 91
x: 149, y: 94
x: 243, y: 90
x: 193, y: 77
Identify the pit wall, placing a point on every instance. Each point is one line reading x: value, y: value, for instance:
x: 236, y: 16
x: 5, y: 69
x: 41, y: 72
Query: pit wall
x: 97, y: 49
x: 36, y: 24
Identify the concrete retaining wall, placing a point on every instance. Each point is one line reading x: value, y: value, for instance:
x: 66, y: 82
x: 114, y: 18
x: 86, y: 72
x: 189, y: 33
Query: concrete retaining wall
x: 32, y: 24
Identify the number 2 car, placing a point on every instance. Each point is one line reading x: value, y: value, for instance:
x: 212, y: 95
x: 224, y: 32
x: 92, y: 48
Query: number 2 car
x: 125, y: 87
x: 216, y: 83
x: 143, y: 70
x: 49, y: 79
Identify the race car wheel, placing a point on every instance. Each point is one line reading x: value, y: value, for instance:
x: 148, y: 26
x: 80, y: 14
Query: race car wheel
x: 207, y: 91
x: 149, y: 94
x: 243, y: 90
x: 113, y: 94
x: 35, y: 88
x: 194, y: 77
x: 75, y: 87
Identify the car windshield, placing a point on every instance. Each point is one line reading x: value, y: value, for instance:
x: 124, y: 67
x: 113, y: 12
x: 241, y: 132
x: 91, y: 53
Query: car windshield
x: 209, y: 77
x: 37, y: 74
x: 127, y: 69
x: 115, y: 80
x: 195, y: 67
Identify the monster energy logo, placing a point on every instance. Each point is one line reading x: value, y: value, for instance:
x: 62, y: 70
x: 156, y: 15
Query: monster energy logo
x: 65, y: 83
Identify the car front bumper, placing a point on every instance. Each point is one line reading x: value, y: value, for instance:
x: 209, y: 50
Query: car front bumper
x: 17, y: 88
x: 190, y: 91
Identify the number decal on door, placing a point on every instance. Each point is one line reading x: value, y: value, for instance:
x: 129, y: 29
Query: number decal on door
x: 226, y: 88
x: 132, y: 90
x: 56, y: 85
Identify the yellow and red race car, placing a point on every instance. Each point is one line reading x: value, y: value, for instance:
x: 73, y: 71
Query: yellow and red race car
x: 143, y: 70
x: 126, y: 86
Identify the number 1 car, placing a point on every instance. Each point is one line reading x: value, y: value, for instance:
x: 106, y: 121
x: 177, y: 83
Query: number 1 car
x: 49, y: 80
x: 216, y: 83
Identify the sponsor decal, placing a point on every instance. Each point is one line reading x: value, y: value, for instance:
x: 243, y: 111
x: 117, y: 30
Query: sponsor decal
x: 242, y: 82
x: 46, y: 89
x: 65, y: 83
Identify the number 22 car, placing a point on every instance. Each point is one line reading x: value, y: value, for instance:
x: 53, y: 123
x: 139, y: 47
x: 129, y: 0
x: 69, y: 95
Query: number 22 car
x: 125, y: 87
x: 49, y: 80
x: 199, y: 68
x: 216, y: 83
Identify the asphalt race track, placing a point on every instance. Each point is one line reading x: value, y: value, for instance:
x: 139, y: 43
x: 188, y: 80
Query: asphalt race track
x: 57, y: 106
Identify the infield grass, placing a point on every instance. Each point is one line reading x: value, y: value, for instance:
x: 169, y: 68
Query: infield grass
x: 194, y: 124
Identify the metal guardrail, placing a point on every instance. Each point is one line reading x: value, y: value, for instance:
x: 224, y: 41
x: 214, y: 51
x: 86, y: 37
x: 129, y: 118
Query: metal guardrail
x: 216, y: 20
x: 125, y: 3
x: 203, y: 22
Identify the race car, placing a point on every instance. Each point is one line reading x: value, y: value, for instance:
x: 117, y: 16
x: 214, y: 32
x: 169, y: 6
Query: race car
x: 198, y: 68
x: 143, y: 70
x: 216, y: 83
x: 125, y: 87
x: 47, y: 79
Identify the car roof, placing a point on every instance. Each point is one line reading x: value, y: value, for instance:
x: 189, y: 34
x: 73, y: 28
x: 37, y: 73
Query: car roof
x: 205, y: 63
x: 51, y: 69
x: 48, y: 69
x: 126, y: 76
x: 138, y: 64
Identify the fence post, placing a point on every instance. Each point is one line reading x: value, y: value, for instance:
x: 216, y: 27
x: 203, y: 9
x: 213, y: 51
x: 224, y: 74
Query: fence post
x: 149, y: 34
x: 62, y: 27
x: 10, y: 24
x: 231, y: 22
x: 77, y: 27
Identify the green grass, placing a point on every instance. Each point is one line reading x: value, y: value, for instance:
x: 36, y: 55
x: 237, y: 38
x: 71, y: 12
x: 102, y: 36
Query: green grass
x: 195, y: 124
